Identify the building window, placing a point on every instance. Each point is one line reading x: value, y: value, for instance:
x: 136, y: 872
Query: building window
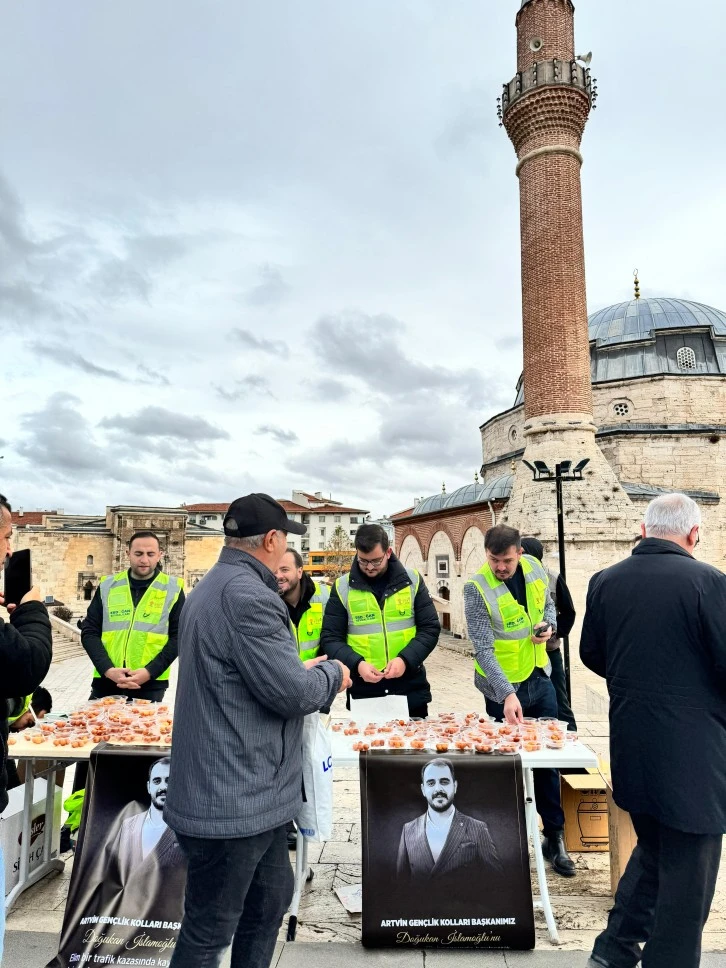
x: 89, y: 561
x: 353, y: 520
x: 621, y: 408
x: 513, y: 435
x: 353, y: 534
x: 442, y: 566
x: 322, y: 532
x: 321, y: 517
x: 686, y: 358
x: 318, y: 560
x: 305, y: 518
x: 336, y: 519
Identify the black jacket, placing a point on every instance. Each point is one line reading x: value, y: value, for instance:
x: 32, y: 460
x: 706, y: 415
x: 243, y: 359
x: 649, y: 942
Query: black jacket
x: 296, y: 612
x: 26, y: 648
x: 333, y: 638
x: 655, y: 628
x: 92, y: 629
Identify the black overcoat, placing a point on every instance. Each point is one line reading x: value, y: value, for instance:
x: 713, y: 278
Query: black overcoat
x: 655, y: 628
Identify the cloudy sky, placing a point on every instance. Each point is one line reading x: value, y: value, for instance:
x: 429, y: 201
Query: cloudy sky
x: 250, y: 245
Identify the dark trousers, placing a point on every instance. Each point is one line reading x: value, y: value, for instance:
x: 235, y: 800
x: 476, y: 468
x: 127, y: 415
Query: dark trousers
x: 538, y: 698
x: 564, y: 710
x: 237, y: 892
x: 663, y: 899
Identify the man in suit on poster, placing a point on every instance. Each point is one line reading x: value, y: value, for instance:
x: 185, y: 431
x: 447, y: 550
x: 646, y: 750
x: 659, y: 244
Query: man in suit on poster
x: 144, y: 845
x: 444, y: 841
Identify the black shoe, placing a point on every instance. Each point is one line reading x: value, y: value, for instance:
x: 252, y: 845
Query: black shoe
x: 65, y: 840
x: 553, y: 848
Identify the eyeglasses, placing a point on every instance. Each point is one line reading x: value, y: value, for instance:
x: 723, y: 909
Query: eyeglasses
x: 370, y: 562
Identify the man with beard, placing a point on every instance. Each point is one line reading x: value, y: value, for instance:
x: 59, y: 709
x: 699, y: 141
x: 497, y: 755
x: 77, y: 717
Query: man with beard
x: 144, y: 843
x: 306, y: 601
x: 381, y: 623
x: 443, y: 840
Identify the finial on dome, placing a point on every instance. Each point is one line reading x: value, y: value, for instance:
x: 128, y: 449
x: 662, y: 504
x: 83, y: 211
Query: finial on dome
x: 443, y: 487
x: 637, y: 284
x: 476, y: 477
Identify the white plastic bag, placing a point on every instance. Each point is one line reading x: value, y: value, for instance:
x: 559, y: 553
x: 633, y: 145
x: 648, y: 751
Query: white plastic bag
x: 315, y: 820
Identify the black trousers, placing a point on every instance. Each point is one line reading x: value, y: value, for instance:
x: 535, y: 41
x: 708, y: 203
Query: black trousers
x: 564, y: 710
x: 537, y: 697
x: 237, y: 892
x: 663, y: 899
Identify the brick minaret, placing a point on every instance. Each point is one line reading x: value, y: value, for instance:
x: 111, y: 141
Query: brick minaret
x: 544, y: 109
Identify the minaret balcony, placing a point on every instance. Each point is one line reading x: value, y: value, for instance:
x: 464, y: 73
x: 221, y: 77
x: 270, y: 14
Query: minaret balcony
x: 550, y: 73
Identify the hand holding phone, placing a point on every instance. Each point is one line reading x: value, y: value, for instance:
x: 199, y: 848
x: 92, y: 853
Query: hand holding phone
x: 18, y: 579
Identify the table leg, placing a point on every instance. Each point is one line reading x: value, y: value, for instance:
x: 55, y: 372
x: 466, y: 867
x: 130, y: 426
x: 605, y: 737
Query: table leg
x: 530, y: 810
x: 301, y: 876
x: 27, y: 878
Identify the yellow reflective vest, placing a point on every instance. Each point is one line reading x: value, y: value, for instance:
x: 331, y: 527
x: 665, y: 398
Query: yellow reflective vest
x: 24, y: 706
x: 134, y: 636
x: 307, y: 633
x: 379, y: 636
x: 514, y: 649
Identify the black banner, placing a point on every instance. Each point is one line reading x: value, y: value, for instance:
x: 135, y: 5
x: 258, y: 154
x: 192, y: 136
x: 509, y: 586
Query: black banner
x: 445, y: 853
x: 126, y: 895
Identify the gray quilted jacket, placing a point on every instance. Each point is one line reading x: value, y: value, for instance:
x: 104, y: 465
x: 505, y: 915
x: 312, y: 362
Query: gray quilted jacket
x: 242, y: 693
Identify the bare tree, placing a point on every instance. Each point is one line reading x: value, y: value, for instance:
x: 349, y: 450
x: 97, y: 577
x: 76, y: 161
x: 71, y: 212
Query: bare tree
x: 339, y: 556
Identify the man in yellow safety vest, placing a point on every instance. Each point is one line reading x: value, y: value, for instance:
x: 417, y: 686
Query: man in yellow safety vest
x: 130, y: 630
x: 305, y: 599
x: 381, y: 623
x: 510, y: 616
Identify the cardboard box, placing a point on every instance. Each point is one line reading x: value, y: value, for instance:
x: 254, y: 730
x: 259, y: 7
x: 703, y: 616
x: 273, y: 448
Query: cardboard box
x: 11, y: 830
x: 622, y: 840
x: 584, y: 800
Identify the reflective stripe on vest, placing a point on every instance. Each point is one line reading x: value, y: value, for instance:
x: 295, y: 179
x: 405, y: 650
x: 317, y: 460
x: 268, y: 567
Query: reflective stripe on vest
x: 514, y: 649
x: 379, y: 636
x: 307, y: 633
x: 134, y: 636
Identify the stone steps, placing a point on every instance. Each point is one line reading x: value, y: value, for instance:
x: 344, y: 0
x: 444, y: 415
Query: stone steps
x: 66, y: 646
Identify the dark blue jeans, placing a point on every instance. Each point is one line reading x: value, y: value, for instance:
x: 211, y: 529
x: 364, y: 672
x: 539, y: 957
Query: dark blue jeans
x: 237, y: 892
x: 662, y: 900
x: 538, y: 698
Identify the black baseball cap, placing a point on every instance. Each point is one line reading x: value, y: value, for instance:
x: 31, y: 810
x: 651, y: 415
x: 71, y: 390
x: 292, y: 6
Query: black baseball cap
x: 258, y: 514
x: 533, y: 547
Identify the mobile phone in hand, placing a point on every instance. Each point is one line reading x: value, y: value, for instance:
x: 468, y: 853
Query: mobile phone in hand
x: 18, y: 577
x: 539, y: 630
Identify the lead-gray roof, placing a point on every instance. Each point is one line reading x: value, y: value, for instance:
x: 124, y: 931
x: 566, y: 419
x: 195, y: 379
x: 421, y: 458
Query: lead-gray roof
x: 641, y: 337
x: 495, y: 490
x: 638, y: 319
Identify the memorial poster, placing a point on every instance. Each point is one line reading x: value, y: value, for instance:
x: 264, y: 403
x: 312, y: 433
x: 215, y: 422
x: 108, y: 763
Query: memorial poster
x: 445, y: 851
x: 126, y: 895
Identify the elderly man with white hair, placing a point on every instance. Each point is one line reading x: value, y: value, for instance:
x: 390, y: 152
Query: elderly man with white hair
x: 655, y: 628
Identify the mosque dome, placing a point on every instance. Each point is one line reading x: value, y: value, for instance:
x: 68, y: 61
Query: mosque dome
x: 497, y: 489
x: 649, y: 337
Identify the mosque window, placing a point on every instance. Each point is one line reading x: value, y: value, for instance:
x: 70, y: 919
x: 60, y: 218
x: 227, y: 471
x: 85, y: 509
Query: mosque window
x: 621, y: 408
x: 686, y: 358
x: 513, y: 435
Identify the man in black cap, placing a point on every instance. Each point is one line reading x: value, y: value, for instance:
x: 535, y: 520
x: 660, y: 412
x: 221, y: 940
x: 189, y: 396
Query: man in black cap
x: 242, y: 694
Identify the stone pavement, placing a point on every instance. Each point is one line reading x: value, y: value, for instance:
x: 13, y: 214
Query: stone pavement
x: 580, y: 904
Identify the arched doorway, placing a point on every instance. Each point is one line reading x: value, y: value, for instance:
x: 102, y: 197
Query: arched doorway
x: 88, y: 591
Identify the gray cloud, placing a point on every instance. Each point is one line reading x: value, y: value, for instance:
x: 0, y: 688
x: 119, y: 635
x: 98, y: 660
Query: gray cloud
x: 274, y: 347
x: 270, y: 290
x: 69, y: 358
x: 329, y: 390
x: 248, y: 386
x: 367, y: 347
x: 149, y: 376
x: 277, y: 433
x: 159, y: 422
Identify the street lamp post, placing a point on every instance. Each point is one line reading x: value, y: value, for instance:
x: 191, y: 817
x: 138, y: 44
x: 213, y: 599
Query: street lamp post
x: 564, y: 471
